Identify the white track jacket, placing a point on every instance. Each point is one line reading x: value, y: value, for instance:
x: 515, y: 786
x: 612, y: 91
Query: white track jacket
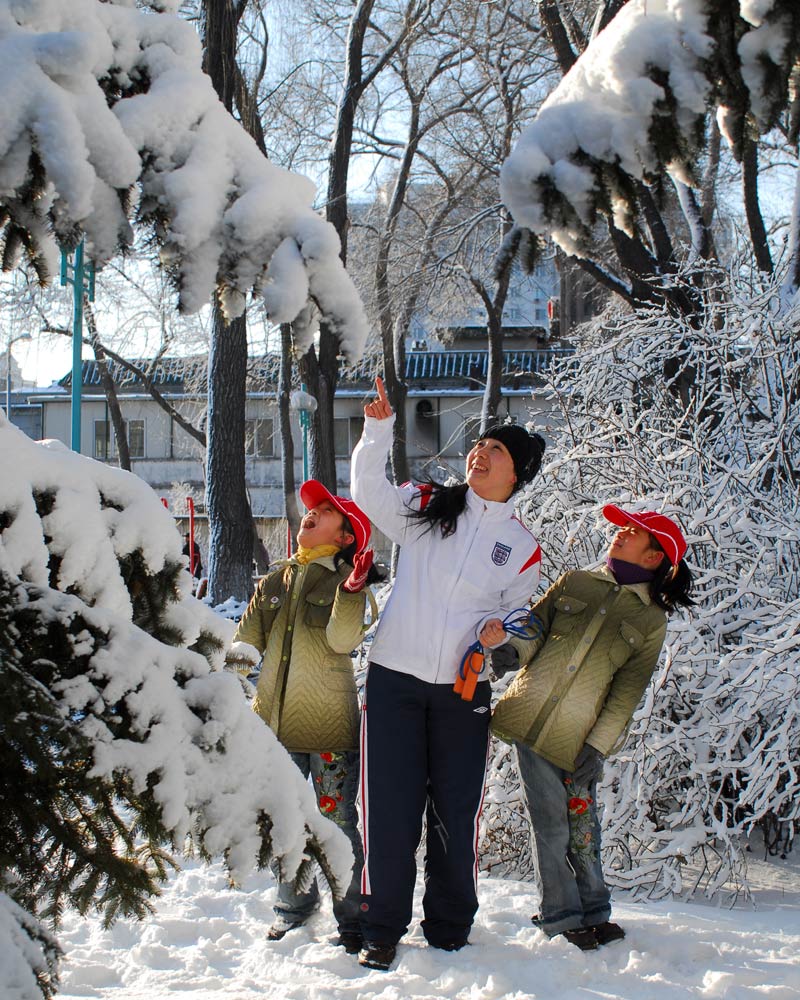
x: 446, y: 589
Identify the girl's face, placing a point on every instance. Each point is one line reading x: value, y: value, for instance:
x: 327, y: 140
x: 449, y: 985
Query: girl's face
x: 323, y: 525
x: 632, y: 545
x: 490, y: 470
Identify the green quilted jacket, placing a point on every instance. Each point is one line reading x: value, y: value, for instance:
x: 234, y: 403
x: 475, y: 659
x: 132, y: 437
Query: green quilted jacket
x: 306, y: 625
x: 585, y: 676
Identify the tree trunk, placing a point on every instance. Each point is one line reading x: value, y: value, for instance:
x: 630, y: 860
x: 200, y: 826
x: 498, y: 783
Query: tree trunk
x: 557, y: 33
x: 325, y: 367
x: 401, y: 470
x: 284, y: 423
x: 110, y: 390
x: 755, y: 221
x: 492, y: 394
x: 229, y: 517
x: 230, y: 520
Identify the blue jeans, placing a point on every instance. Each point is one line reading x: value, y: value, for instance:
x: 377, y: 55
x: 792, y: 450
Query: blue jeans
x: 335, y: 778
x: 566, y: 845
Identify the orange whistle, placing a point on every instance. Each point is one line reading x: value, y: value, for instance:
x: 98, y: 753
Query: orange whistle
x: 465, y: 686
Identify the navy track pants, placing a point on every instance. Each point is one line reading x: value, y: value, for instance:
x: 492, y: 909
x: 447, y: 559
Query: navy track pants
x: 423, y: 750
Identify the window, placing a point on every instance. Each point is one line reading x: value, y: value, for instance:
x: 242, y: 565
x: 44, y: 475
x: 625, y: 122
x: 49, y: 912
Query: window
x: 135, y: 431
x: 346, y: 432
x: 105, y: 443
x: 258, y: 438
x: 102, y: 440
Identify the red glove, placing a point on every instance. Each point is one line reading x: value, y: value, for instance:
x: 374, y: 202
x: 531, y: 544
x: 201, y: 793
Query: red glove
x: 361, y: 567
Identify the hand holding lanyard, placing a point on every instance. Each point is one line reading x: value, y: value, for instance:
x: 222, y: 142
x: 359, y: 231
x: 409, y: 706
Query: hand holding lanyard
x: 522, y: 623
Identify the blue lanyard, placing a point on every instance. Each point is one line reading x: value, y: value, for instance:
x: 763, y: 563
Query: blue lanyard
x: 522, y: 623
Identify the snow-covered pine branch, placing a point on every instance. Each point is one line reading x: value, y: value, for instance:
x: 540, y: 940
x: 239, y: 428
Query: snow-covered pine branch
x: 108, y: 122
x: 714, y: 750
x: 634, y: 106
x: 123, y: 738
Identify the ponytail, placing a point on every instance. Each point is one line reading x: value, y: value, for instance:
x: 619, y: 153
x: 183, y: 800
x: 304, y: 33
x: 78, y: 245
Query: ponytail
x: 670, y: 585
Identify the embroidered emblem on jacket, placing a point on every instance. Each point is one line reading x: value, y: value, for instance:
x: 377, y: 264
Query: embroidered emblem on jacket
x: 500, y: 554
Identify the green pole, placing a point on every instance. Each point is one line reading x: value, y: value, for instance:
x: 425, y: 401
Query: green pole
x: 77, y: 345
x: 304, y: 425
x: 81, y: 277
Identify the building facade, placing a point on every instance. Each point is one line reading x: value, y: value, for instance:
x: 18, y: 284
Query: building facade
x: 445, y: 389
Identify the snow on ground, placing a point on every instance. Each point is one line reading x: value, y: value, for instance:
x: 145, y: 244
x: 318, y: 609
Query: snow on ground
x: 206, y: 942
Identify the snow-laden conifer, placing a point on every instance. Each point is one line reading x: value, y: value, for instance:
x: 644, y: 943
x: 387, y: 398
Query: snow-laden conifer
x: 108, y: 123
x: 123, y: 740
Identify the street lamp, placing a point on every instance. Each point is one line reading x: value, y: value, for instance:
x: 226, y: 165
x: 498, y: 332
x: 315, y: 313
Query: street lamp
x: 11, y: 340
x: 305, y: 404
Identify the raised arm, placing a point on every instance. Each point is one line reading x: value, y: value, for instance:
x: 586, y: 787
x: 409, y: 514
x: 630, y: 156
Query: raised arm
x: 384, y: 504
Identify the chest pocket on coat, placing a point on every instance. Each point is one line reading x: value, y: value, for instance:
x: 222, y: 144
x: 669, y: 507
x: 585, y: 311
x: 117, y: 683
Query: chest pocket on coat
x: 567, y: 611
x: 318, y: 608
x: 625, y: 643
x: 270, y: 606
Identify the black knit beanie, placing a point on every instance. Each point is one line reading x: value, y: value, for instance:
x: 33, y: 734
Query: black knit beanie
x: 526, y: 450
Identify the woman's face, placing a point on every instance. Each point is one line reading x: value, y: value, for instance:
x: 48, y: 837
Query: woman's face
x: 632, y: 545
x: 490, y: 470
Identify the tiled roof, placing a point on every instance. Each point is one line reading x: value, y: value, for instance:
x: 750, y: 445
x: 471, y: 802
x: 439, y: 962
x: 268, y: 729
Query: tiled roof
x: 421, y: 366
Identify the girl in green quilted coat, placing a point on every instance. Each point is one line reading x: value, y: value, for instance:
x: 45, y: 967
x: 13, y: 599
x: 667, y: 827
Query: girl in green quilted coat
x: 570, y: 706
x: 303, y: 621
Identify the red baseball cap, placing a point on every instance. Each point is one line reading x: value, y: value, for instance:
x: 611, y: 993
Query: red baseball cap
x: 313, y: 493
x: 663, y: 528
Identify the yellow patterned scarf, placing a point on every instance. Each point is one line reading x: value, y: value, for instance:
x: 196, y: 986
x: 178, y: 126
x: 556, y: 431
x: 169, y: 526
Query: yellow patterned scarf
x: 305, y: 556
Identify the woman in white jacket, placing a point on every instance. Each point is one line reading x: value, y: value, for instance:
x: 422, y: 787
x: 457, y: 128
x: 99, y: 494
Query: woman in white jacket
x: 464, y: 559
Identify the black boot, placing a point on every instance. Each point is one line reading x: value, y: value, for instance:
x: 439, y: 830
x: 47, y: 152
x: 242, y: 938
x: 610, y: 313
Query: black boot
x: 608, y: 932
x: 351, y: 941
x: 377, y: 956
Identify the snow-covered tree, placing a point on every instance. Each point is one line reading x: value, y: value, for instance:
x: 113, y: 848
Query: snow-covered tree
x: 634, y: 110
x: 109, y: 123
x: 714, y: 751
x: 122, y: 738
x: 109, y: 126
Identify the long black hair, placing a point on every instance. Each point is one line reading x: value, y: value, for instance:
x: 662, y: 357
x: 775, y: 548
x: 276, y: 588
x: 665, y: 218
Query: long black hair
x: 443, y: 507
x: 670, y: 585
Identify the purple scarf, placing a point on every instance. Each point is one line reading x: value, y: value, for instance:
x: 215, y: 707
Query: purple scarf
x: 627, y: 573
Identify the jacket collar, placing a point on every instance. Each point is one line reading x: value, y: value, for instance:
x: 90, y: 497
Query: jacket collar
x: 640, y: 589
x: 326, y: 561
x: 495, y: 510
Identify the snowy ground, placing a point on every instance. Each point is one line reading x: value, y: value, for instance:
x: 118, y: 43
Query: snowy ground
x: 206, y: 942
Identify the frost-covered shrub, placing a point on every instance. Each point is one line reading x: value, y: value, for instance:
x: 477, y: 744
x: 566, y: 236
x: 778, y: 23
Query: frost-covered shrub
x: 122, y: 739
x: 714, y: 750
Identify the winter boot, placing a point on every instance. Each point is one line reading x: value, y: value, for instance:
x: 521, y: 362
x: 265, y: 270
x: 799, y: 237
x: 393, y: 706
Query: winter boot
x: 582, y: 937
x: 281, y: 928
x: 377, y: 956
x: 351, y: 941
x: 608, y: 932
